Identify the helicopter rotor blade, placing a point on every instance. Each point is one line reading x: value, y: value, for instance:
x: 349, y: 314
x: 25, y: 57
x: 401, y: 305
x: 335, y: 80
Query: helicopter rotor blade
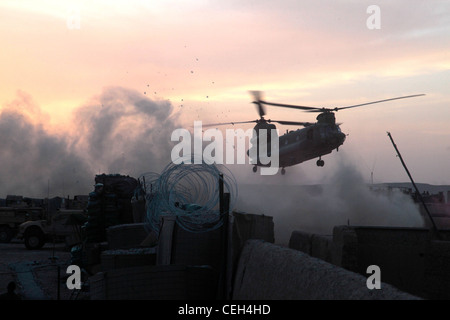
x: 289, y: 106
x: 379, y: 101
x: 318, y: 109
x: 322, y: 109
x: 292, y: 123
x: 225, y: 123
x: 256, y: 94
x: 257, y: 100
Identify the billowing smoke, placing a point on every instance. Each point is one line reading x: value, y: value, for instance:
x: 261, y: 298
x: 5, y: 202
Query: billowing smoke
x: 343, y: 199
x: 31, y: 158
x: 120, y: 131
x: 124, y: 131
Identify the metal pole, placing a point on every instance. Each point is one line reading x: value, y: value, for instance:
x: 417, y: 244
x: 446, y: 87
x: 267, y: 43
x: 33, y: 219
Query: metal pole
x: 228, y: 246
x: 221, y: 200
x: 59, y: 280
x: 434, y: 229
x: 224, y: 199
x: 222, y: 277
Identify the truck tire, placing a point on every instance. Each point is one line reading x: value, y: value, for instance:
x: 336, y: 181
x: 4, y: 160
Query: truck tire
x: 34, y: 239
x: 6, y: 234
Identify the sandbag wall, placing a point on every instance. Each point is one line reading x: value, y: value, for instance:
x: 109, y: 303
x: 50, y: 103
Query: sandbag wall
x: 111, y: 208
x: 123, y: 187
x: 270, y: 272
x: 409, y: 258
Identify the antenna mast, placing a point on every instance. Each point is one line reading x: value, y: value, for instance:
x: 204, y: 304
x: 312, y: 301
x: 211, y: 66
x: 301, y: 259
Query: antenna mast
x: 434, y: 229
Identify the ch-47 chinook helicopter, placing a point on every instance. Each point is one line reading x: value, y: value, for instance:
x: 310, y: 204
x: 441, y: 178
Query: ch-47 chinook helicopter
x: 313, y: 141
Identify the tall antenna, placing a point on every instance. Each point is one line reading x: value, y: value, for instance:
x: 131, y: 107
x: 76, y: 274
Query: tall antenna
x: 434, y: 229
x: 373, y: 167
x: 371, y: 170
x: 48, y: 198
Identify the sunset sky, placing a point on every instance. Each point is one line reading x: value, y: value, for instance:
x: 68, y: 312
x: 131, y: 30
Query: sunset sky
x: 59, y: 60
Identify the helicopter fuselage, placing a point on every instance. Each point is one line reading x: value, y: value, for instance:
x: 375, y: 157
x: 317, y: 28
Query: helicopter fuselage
x: 314, y: 141
x: 308, y: 143
x: 296, y: 146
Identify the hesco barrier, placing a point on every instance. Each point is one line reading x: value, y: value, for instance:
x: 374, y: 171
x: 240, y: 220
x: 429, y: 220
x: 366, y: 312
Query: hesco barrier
x: 270, y: 272
x: 410, y: 259
x: 125, y: 236
x: 169, y: 282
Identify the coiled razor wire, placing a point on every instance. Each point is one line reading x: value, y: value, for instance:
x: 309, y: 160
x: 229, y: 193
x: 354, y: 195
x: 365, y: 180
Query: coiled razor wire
x: 190, y: 192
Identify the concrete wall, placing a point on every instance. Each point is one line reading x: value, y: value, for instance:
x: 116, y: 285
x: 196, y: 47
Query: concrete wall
x: 170, y: 282
x: 250, y: 226
x: 399, y: 252
x: 125, y: 236
x: 178, y: 246
x: 126, y: 258
x: 437, y: 271
x: 270, y: 272
x: 318, y: 246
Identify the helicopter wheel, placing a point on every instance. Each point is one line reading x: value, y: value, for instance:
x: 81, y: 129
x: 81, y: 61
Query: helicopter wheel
x: 320, y: 163
x: 255, y: 168
x: 283, y: 171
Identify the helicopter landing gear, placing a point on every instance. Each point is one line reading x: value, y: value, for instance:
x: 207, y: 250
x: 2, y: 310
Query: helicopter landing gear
x: 283, y: 171
x: 255, y: 168
x: 320, y: 163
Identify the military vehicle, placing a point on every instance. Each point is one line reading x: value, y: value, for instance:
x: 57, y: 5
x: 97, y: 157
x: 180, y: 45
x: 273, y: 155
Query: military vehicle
x: 64, y: 225
x: 11, y: 218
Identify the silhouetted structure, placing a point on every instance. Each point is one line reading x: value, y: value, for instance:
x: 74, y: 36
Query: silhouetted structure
x: 10, y: 294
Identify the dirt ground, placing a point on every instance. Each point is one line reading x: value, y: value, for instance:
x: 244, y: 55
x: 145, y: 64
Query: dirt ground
x: 36, y: 271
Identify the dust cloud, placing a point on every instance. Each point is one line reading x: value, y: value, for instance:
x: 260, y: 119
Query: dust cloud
x: 123, y: 131
x: 118, y: 131
x: 342, y: 199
